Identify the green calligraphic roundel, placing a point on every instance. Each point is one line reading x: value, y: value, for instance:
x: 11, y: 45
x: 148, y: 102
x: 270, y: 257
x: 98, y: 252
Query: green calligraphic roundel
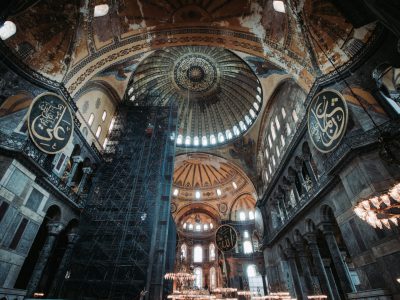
x: 50, y: 123
x: 327, y: 120
x: 225, y: 237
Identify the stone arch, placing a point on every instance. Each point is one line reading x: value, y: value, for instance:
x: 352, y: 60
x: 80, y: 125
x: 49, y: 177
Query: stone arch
x: 327, y: 213
x: 244, y: 200
x: 53, y: 213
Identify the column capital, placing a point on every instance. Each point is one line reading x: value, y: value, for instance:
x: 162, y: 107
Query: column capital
x: 54, y: 227
x: 77, y: 159
x: 311, y: 237
x: 290, y: 253
x: 326, y: 228
x: 300, y: 248
x: 72, y: 237
x: 87, y: 170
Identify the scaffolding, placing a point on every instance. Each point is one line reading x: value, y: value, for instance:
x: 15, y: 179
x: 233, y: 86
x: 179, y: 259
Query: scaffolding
x: 126, y: 228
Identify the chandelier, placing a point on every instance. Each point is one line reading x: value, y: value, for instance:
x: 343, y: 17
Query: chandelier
x: 381, y: 210
x: 180, y: 276
x: 223, y: 290
x: 246, y: 293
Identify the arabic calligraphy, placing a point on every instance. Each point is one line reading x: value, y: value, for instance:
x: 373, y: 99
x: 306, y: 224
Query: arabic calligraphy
x: 50, y: 123
x: 225, y: 238
x: 327, y: 120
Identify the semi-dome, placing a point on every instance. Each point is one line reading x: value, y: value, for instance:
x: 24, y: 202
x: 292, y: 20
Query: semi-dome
x: 218, y: 95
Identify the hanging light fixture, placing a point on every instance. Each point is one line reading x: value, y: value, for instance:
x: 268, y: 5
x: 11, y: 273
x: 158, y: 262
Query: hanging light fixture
x: 382, y: 210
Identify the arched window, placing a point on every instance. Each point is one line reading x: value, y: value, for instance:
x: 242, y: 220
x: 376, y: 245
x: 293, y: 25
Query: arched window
x: 247, y: 119
x: 211, y: 252
x: 221, y: 138
x: 190, y: 226
x: 105, y: 142
x: 184, y: 251
x: 213, y: 140
x: 247, y: 247
x: 242, y: 216
x: 111, y: 125
x: 295, y: 117
x: 198, y: 281
x: 198, y: 254
x: 98, y: 131
x: 228, y: 134
x: 204, y: 141
x: 251, y: 215
x: 213, y: 278
x: 251, y: 271
x: 187, y: 141
x: 196, y: 141
x: 104, y: 116
x: 91, y: 119
x: 179, y: 139
x: 236, y: 130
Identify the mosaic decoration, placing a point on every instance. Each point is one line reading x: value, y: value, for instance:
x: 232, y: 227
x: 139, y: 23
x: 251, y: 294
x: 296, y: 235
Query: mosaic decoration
x: 218, y: 95
x: 50, y: 123
x: 327, y: 120
x: 196, y: 73
x: 226, y: 238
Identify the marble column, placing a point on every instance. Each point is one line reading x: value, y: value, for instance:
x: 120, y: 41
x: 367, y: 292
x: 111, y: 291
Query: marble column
x: 319, y: 265
x: 76, y: 160
x: 62, y: 268
x: 305, y: 266
x: 290, y: 254
x: 54, y: 229
x: 86, y: 172
x: 337, y: 258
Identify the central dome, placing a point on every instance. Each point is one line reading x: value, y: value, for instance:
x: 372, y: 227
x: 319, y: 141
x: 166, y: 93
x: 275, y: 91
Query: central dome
x: 218, y: 95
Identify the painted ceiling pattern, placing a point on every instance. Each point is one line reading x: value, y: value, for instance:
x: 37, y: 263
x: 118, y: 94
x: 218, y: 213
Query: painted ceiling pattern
x: 218, y: 95
x: 210, y: 185
x: 62, y: 40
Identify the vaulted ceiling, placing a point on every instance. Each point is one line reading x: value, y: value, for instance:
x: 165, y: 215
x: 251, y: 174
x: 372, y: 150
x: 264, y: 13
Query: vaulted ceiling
x: 62, y: 40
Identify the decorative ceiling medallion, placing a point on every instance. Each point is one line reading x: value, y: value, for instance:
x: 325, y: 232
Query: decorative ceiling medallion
x: 225, y: 238
x: 327, y: 120
x: 196, y: 73
x: 259, y: 223
x: 218, y: 95
x: 222, y: 208
x: 50, y: 123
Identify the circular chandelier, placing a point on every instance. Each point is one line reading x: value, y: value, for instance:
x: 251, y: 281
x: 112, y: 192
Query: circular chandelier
x: 382, y: 210
x: 246, y: 293
x: 180, y: 276
x: 223, y: 290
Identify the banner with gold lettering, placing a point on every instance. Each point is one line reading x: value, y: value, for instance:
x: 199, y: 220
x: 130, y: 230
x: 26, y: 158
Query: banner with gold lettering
x: 50, y: 123
x: 327, y: 120
x: 225, y: 237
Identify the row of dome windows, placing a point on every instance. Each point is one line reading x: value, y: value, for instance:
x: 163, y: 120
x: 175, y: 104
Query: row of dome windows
x: 221, y: 137
x: 198, y: 227
x: 243, y: 216
x: 271, y: 138
x: 197, y: 193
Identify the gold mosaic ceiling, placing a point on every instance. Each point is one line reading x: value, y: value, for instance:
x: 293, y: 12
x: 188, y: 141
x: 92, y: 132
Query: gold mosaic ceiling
x: 218, y: 95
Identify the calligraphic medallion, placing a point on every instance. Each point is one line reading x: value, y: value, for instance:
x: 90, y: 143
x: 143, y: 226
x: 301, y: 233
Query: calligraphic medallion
x: 327, y: 120
x: 225, y: 237
x: 50, y: 123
